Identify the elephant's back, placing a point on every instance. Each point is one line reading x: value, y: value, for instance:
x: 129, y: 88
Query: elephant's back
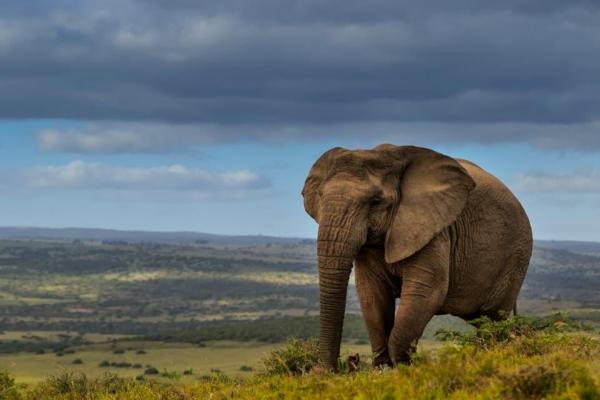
x: 494, y: 196
x: 493, y: 244
x: 484, y: 180
x: 495, y: 210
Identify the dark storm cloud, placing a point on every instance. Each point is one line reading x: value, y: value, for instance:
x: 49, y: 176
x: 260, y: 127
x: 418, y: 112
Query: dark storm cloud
x: 242, y: 67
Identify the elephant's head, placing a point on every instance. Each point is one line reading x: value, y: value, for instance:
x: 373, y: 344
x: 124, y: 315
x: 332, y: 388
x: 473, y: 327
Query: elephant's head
x: 398, y: 197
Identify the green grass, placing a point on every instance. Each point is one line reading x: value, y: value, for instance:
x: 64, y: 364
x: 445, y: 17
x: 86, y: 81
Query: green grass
x: 518, y: 359
x: 226, y: 356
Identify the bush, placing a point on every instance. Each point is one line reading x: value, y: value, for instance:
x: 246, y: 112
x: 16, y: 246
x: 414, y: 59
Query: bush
x: 296, y: 357
x: 77, y: 361
x: 539, y: 381
x: 104, y: 364
x: 246, y: 368
x: 490, y: 333
x: 8, y: 389
x: 151, y: 371
x: 77, y: 387
x: 120, y: 364
x: 170, y: 374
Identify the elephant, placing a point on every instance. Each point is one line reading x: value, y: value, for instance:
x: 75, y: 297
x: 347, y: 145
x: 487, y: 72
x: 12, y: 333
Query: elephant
x: 440, y: 234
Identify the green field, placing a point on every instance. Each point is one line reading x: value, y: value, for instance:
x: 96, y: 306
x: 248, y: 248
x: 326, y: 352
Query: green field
x: 523, y: 358
x: 226, y: 357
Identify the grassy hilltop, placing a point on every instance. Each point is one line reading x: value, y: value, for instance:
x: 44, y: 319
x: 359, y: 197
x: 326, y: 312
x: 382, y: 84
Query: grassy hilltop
x: 519, y: 359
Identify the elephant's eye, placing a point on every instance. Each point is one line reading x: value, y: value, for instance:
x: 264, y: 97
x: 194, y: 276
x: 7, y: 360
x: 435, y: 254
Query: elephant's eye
x: 375, y: 201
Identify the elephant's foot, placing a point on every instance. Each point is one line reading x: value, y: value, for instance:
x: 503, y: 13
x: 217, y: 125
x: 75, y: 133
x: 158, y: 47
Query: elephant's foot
x: 402, y: 359
x: 382, y: 360
x: 401, y: 354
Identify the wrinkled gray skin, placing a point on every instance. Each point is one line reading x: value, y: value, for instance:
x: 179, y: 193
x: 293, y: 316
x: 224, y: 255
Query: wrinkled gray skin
x: 442, y: 234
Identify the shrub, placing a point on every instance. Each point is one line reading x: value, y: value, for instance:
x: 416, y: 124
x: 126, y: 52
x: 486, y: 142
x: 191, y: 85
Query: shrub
x: 539, y: 381
x: 69, y: 383
x: 246, y: 368
x: 8, y: 389
x: 119, y: 351
x: 120, y: 364
x: 170, y: 374
x: 188, y: 371
x: 77, y: 386
x: 141, y: 351
x: 104, y: 364
x: 296, y: 357
x: 151, y: 371
x: 77, y: 361
x: 490, y: 333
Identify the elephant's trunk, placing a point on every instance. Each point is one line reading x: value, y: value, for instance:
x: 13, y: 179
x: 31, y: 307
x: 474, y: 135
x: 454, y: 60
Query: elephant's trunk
x: 339, y: 240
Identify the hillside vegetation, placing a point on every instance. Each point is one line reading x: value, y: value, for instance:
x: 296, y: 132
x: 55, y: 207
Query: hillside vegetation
x: 117, y: 287
x: 520, y: 359
x: 88, y: 305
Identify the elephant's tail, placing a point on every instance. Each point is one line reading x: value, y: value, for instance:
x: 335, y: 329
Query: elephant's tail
x: 515, y: 309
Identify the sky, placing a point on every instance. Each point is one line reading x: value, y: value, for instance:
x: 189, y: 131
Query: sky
x: 206, y: 116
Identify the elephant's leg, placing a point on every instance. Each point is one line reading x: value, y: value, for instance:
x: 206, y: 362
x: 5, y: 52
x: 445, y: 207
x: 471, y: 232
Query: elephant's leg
x: 502, y: 297
x: 375, y: 287
x: 424, y: 289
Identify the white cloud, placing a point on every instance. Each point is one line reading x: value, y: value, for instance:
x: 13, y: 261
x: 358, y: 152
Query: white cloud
x: 575, y: 182
x: 125, y: 137
x: 178, y: 178
x: 148, y: 137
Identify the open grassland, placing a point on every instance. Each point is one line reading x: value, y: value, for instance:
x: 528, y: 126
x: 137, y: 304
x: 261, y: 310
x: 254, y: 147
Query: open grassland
x: 516, y: 359
x: 33, y: 356
x: 227, y: 357
x: 202, y: 349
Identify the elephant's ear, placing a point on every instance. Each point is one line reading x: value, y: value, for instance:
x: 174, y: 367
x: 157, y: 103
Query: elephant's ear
x: 433, y: 192
x: 315, y: 178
